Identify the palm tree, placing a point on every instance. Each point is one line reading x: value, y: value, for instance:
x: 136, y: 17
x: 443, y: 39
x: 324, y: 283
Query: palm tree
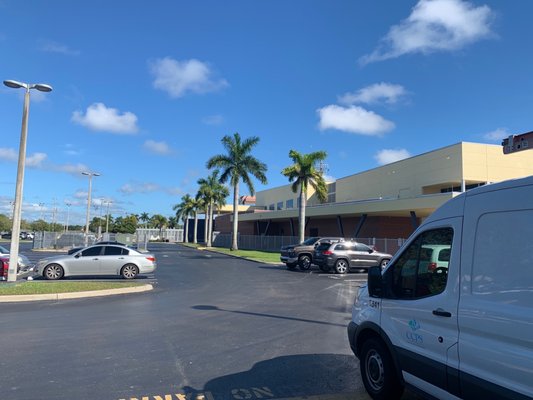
x: 183, y: 210
x: 145, y: 217
x: 159, y: 222
x: 303, y: 173
x: 238, y: 164
x: 213, y: 193
x: 172, y: 222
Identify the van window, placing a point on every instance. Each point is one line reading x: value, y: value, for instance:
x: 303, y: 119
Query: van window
x: 418, y: 272
x: 503, y: 257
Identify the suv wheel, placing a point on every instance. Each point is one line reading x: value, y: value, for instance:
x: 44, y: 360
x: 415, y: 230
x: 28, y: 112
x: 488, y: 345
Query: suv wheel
x: 377, y: 371
x: 341, y: 266
x: 304, y: 262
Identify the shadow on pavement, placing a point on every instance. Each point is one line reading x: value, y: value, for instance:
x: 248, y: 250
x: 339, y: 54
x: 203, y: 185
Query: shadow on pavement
x: 215, y: 308
x: 287, y: 376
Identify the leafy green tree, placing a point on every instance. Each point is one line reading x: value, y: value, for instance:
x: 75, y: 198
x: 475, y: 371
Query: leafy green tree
x: 127, y: 224
x: 212, y: 194
x: 238, y: 164
x: 39, y: 226
x: 302, y: 174
x: 95, y: 223
x: 5, y: 223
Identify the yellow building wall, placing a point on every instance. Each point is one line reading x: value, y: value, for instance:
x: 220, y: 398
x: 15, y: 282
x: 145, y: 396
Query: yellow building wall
x: 268, y: 197
x: 487, y: 163
x: 405, y: 178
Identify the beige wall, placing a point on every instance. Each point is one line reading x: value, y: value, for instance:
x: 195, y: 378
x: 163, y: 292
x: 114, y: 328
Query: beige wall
x: 282, y: 193
x: 405, y: 178
x: 487, y: 163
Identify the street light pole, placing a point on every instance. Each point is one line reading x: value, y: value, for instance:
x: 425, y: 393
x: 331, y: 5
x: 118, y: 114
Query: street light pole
x: 107, y: 218
x: 17, y: 207
x: 90, y: 175
x: 68, y: 214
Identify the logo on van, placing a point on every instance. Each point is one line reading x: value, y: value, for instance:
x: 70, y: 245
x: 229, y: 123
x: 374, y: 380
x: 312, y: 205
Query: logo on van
x: 412, y: 336
x: 414, y: 325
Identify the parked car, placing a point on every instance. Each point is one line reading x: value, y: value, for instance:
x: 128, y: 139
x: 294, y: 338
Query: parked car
x: 101, y: 259
x: 302, y: 254
x: 462, y: 328
x: 4, y: 267
x: 24, y: 262
x: 343, y: 256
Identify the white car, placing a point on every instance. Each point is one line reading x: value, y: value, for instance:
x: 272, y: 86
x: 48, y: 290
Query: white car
x: 97, y: 260
x: 452, y: 313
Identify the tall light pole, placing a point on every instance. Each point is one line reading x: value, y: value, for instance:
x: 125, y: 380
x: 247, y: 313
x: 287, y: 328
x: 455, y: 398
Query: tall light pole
x: 108, y: 202
x: 90, y: 175
x: 17, y: 208
x: 68, y: 214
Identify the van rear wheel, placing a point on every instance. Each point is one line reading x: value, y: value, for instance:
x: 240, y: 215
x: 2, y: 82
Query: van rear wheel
x: 378, y: 373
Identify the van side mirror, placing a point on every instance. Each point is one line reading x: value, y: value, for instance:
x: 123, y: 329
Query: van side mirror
x: 375, y: 282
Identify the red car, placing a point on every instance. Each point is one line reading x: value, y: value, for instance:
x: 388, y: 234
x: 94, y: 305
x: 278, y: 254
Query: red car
x: 4, y: 266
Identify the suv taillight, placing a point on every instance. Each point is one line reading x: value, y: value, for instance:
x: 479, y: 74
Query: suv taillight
x: 327, y: 253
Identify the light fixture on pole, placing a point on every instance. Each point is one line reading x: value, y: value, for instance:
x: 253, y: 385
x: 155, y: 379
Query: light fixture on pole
x: 17, y: 207
x: 90, y: 175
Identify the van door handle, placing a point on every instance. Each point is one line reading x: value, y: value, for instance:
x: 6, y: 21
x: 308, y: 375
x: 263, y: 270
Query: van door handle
x: 441, y: 313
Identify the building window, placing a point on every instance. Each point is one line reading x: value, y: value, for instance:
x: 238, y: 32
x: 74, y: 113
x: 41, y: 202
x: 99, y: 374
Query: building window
x: 332, y: 187
x: 280, y: 205
x: 331, y: 198
x: 289, y: 204
x: 271, y: 207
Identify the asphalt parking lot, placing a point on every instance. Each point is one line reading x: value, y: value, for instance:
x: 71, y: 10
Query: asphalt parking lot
x: 214, y: 327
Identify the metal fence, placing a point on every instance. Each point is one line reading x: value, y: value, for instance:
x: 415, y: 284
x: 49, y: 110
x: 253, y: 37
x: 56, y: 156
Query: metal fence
x: 60, y: 240
x: 274, y: 243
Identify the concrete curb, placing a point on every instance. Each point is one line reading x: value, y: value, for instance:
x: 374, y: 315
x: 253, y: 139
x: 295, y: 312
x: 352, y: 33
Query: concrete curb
x: 74, y: 295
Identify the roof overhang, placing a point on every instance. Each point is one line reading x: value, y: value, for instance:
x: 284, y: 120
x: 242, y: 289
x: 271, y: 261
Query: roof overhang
x: 423, y: 206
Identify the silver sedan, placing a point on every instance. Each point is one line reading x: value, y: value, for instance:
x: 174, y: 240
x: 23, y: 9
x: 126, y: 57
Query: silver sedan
x: 97, y: 260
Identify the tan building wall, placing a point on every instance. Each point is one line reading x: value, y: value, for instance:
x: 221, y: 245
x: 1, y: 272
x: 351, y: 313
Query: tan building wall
x: 281, y: 194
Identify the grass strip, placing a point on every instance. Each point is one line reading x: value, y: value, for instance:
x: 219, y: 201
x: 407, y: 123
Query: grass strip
x: 25, y: 287
x: 256, y: 255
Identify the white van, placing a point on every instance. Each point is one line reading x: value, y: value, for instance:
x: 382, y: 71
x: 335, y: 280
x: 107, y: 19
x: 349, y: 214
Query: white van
x: 465, y: 328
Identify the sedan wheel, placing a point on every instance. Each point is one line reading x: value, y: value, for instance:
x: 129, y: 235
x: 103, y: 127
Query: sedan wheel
x: 341, y: 266
x: 129, y: 271
x: 53, y: 272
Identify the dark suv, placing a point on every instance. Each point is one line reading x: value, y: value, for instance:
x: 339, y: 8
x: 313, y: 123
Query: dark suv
x: 348, y: 255
x: 302, y: 254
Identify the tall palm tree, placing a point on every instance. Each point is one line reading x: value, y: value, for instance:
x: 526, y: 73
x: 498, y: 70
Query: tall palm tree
x: 172, y: 222
x: 145, y: 217
x: 213, y: 193
x: 159, y: 222
x: 197, y: 204
x: 184, y: 210
x: 238, y: 164
x: 302, y: 174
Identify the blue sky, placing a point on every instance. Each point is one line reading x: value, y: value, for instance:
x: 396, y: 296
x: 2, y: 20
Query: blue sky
x: 144, y: 91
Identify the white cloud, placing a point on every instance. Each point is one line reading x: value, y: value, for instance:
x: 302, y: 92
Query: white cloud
x: 73, y: 169
x: 8, y: 154
x: 387, y: 156
x: 378, y: 92
x: 434, y: 25
x: 497, y: 135
x: 145, y: 187
x: 98, y: 117
x: 178, y: 78
x: 161, y: 148
x: 54, y: 47
x: 216, y: 119
x: 35, y: 160
x: 353, y: 119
